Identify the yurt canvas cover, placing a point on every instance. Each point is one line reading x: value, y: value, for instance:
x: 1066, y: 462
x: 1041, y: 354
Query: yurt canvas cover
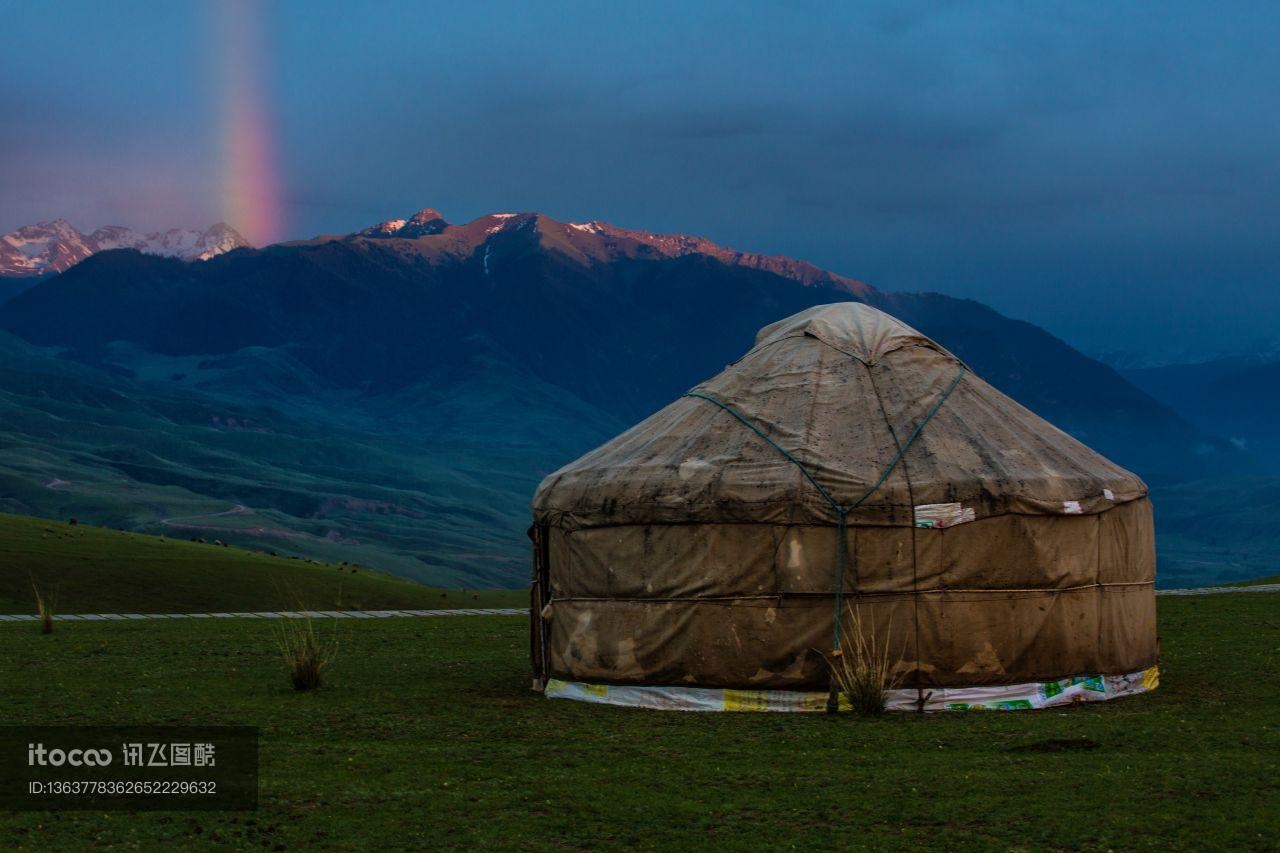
x: 693, y: 561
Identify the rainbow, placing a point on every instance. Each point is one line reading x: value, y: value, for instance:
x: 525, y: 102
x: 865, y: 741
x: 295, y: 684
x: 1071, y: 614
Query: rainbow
x: 249, y: 178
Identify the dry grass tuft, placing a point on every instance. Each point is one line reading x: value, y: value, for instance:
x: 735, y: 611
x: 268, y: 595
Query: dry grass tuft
x: 44, y: 609
x: 864, y: 670
x: 306, y: 655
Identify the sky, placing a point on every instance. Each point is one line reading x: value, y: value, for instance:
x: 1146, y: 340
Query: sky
x: 1110, y: 171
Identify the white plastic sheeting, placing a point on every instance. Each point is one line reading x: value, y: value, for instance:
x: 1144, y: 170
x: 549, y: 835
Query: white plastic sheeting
x: 1013, y: 697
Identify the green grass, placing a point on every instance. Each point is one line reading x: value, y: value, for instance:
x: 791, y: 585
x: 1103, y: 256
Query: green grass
x: 92, y: 570
x: 426, y: 735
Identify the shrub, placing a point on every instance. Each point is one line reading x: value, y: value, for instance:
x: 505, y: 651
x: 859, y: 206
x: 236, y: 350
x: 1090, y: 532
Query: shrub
x: 44, y: 609
x: 306, y: 655
x: 864, y: 670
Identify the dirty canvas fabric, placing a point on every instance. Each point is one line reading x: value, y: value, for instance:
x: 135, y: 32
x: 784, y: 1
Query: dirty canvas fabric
x: 700, y: 547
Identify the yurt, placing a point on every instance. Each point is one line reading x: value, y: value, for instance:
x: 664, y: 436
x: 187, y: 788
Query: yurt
x: 710, y: 557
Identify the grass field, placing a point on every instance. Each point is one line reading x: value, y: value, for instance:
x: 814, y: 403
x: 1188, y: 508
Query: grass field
x: 92, y: 570
x: 427, y: 735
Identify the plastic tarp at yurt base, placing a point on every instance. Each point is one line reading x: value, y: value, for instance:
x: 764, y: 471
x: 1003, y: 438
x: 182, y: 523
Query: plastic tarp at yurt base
x: 698, y: 560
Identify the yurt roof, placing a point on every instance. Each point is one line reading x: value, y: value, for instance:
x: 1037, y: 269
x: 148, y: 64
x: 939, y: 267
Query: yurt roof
x: 837, y: 405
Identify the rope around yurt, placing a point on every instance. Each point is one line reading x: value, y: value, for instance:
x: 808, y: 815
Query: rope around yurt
x: 841, y: 511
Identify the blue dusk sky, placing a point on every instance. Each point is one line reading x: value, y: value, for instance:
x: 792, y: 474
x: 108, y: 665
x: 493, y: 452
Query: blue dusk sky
x: 1106, y: 170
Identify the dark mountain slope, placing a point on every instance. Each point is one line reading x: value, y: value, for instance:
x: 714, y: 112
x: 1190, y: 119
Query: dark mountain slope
x: 430, y: 483
x: 11, y: 287
x: 624, y: 320
x: 1235, y: 397
x: 1217, y: 531
x: 394, y: 396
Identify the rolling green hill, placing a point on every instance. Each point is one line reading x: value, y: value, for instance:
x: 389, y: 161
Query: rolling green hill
x: 91, y: 570
x: 431, y: 483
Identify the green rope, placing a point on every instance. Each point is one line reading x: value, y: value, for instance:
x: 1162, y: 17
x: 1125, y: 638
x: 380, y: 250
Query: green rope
x: 914, y: 435
x: 771, y: 442
x: 842, y: 512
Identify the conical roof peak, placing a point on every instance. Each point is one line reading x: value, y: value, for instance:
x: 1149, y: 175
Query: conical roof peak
x: 857, y: 329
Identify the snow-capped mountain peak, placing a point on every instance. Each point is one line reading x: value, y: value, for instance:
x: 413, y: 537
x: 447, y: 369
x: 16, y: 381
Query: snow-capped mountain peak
x: 424, y: 222
x: 53, y: 246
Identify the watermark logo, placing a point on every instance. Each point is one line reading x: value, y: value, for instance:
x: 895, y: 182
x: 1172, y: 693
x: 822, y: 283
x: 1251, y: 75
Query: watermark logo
x: 39, y: 756
x: 128, y: 767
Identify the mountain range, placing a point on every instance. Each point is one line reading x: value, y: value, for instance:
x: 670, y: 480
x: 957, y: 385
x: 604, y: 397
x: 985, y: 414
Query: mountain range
x: 398, y: 391
x: 51, y: 247
x: 1237, y: 397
